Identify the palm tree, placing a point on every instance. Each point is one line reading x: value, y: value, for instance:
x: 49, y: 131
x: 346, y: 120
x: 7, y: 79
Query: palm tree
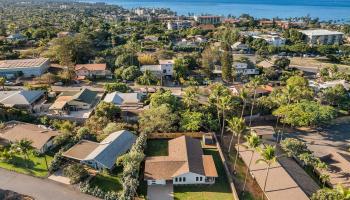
x: 225, y: 103
x: 324, y: 178
x: 244, y: 96
x: 345, y: 192
x: 237, y: 127
x: 268, y: 155
x: 190, y: 97
x: 23, y: 147
x: 254, y: 84
x: 253, y: 142
x: 2, y: 82
x: 217, y: 92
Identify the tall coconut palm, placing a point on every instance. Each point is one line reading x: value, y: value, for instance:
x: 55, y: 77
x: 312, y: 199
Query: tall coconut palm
x: 190, y: 97
x: 268, y: 155
x: 254, y: 84
x: 218, y: 91
x: 23, y: 147
x: 289, y: 93
x: 226, y: 103
x: 253, y: 142
x: 237, y: 127
x: 244, y: 96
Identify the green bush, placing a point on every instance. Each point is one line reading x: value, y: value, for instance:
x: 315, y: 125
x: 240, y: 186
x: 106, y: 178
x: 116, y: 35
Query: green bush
x: 75, y: 173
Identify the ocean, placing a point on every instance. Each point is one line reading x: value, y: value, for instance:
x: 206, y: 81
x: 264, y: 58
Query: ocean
x: 336, y: 10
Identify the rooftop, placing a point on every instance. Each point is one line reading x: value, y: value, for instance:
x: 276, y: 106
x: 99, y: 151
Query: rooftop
x: 105, y: 152
x: 185, y: 155
x: 285, y: 188
x: 263, y: 130
x: 23, y: 97
x: 38, y: 134
x: 23, y: 63
x: 92, y: 67
x: 319, y: 32
x: 123, y: 98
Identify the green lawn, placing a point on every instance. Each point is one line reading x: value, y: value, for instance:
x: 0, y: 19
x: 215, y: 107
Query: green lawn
x: 157, y: 147
x: 220, y: 190
x: 36, y: 165
x: 109, y: 182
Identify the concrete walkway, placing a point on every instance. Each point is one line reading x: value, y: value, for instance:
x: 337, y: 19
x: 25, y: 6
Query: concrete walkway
x: 160, y: 192
x: 40, y: 189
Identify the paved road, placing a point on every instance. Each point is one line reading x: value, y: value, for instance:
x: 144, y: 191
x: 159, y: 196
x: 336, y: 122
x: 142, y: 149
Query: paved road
x: 40, y: 189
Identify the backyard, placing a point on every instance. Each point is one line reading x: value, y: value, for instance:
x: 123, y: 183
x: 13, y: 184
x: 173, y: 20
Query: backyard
x: 220, y: 190
x: 35, y: 166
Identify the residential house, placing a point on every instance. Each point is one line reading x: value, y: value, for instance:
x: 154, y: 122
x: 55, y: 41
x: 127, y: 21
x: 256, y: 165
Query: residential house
x: 130, y: 103
x: 64, y: 34
x: 165, y: 68
x: 16, y: 37
x: 179, y: 24
x: 264, y: 132
x: 272, y: 39
x: 244, y: 69
x: 323, y: 37
x: 74, y: 101
x: 260, y: 91
x: 279, y: 183
x: 185, y: 164
x: 102, y: 155
x: 92, y: 71
x: 239, y: 46
x: 23, y: 99
x: 329, y: 84
x: 208, y: 19
x: 40, y: 136
x: 24, y: 67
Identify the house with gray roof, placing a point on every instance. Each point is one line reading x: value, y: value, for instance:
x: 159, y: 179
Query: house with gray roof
x: 23, y: 99
x: 102, y: 155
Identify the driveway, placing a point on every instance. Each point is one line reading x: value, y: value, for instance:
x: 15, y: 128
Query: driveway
x: 160, y: 192
x: 40, y: 189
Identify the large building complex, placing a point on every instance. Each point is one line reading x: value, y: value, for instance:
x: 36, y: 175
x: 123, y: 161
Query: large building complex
x: 24, y: 67
x: 209, y: 19
x: 322, y: 36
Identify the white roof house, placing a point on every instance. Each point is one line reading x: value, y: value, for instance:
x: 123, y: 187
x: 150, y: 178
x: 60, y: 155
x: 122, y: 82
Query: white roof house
x: 102, y: 155
x: 20, y: 99
x: 25, y: 67
x: 123, y: 98
x: 165, y: 68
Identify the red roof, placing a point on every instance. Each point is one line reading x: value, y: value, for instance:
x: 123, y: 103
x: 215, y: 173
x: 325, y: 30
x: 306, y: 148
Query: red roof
x: 91, y: 67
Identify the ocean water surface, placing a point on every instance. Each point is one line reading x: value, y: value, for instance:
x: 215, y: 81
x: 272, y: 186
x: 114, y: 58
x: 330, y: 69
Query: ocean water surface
x: 324, y: 9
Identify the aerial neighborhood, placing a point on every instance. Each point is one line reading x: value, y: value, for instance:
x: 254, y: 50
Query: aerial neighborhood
x: 102, y: 102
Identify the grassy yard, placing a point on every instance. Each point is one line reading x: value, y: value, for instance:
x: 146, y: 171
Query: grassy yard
x: 220, y: 190
x: 109, y: 182
x: 157, y: 147
x: 36, y: 165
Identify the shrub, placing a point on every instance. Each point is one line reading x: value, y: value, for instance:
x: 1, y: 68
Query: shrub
x: 75, y: 172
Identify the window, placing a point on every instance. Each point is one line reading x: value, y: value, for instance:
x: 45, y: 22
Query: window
x: 184, y: 179
x: 180, y: 179
x: 201, y: 178
x: 197, y: 178
x: 176, y: 179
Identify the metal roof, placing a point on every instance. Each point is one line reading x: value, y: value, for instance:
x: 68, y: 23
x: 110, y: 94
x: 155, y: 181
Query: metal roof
x: 23, y: 97
x: 23, y: 63
x: 112, y: 147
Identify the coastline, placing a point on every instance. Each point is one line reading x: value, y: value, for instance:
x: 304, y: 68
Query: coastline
x: 259, y: 10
